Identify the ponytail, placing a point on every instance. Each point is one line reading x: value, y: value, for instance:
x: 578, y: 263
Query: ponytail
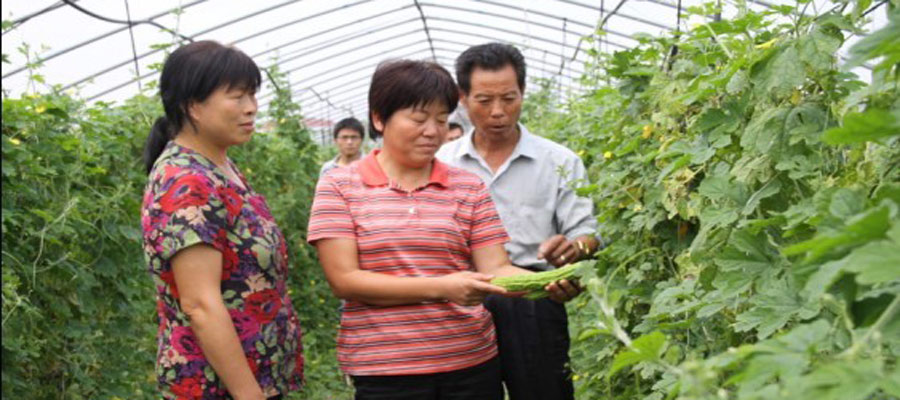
x: 191, y: 74
x: 160, y: 135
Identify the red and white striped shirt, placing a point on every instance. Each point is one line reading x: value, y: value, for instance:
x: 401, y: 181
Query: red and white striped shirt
x: 427, y: 232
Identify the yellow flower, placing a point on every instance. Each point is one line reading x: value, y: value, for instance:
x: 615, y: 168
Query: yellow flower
x: 40, y: 109
x: 648, y: 130
x: 796, y: 97
x: 15, y: 141
x: 766, y: 45
x: 581, y: 153
x: 607, y: 155
x: 638, y: 207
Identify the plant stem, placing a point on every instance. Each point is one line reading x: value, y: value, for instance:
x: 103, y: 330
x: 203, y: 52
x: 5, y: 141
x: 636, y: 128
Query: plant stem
x: 876, y: 327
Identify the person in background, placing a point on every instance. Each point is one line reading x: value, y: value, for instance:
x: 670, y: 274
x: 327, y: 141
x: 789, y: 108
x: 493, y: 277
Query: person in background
x: 456, y: 132
x: 411, y: 244
x: 348, y: 134
x: 219, y: 263
x: 548, y: 226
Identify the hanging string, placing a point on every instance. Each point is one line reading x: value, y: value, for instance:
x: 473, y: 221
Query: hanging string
x: 674, y: 52
x: 137, y: 69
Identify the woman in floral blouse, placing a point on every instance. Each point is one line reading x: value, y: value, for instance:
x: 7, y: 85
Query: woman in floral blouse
x: 227, y: 328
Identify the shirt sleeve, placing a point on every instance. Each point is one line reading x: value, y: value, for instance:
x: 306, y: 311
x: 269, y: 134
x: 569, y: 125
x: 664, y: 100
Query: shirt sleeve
x: 330, y: 217
x: 188, y: 210
x: 487, y: 228
x: 574, y: 214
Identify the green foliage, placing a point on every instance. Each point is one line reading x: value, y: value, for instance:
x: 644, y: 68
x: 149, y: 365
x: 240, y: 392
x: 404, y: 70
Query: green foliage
x: 79, y: 318
x: 78, y: 310
x: 748, y: 188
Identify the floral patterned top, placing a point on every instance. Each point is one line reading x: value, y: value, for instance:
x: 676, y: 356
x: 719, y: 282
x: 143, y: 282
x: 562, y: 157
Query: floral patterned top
x: 189, y: 201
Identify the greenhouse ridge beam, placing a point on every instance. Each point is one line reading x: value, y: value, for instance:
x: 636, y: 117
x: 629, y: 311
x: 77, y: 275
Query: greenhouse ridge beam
x: 449, y: 60
x: 524, y: 21
x: 623, y: 15
x: 363, y: 82
x: 117, y: 87
x: 15, y: 24
x: 453, y: 20
x: 342, y: 67
x: 242, y: 39
x: 203, y: 32
x: 128, y: 23
x: 358, y: 35
x: 152, y: 73
x: 493, y: 39
x: 335, y: 70
x: 470, y: 34
x: 466, y: 45
x: 408, y: 45
x: 532, y: 61
x: 425, y: 26
x: 437, y: 39
x: 317, y: 34
x: 94, y: 39
x: 367, y: 44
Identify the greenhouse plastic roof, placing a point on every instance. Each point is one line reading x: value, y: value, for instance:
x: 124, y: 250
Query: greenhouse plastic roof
x: 328, y: 48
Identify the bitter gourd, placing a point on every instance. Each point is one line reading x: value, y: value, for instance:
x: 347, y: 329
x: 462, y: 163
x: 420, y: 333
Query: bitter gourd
x: 534, y: 283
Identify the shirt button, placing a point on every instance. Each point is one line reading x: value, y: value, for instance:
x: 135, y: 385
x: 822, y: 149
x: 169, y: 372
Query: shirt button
x: 412, y: 210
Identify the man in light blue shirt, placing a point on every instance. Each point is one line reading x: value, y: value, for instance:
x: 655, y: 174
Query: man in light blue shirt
x: 529, y: 178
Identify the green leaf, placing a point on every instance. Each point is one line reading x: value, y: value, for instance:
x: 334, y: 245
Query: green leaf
x: 875, y: 263
x: 891, y: 383
x: 770, y: 189
x: 782, y: 72
x: 648, y: 347
x: 718, y: 188
x: 846, y: 203
x: 821, y: 280
x: 841, y: 380
x: 819, y: 47
x: 765, y: 129
x: 746, y: 252
x: 805, y: 337
x: 873, y: 124
x: 881, y: 43
x: 773, y: 307
x: 738, y: 82
x: 859, y: 230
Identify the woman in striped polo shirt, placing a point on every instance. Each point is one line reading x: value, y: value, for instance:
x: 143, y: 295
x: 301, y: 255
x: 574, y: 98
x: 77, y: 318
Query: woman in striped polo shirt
x: 411, y: 244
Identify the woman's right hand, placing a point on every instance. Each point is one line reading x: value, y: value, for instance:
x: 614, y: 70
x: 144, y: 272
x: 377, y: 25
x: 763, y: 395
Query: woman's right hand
x: 469, y: 288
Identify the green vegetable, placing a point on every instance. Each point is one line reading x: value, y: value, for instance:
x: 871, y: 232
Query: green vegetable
x: 534, y: 283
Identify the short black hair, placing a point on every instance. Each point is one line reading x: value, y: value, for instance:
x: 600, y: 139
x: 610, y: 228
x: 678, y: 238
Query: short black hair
x: 492, y: 57
x: 398, y: 84
x: 455, y: 125
x: 350, y: 123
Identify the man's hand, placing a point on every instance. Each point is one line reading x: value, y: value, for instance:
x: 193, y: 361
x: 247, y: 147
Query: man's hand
x: 563, y: 290
x: 559, y: 251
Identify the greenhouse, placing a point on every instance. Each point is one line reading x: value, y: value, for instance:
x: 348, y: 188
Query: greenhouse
x: 739, y: 161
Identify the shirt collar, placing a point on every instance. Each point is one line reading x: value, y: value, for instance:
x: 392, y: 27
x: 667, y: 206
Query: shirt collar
x: 373, y: 175
x: 526, y: 146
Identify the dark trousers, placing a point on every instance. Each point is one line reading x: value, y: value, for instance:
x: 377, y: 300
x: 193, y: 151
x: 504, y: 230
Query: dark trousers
x: 481, y: 382
x: 533, y: 337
